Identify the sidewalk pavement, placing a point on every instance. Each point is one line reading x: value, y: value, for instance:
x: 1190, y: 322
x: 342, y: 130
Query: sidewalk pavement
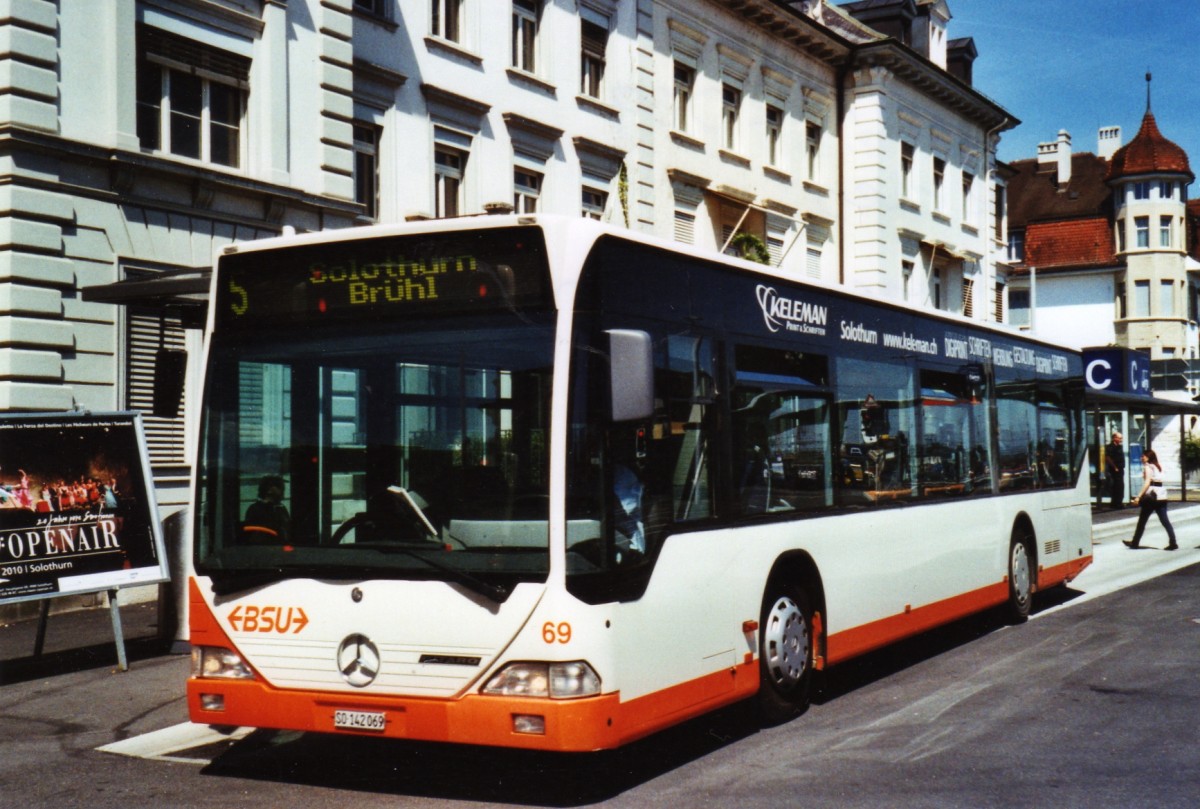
x: 83, y: 639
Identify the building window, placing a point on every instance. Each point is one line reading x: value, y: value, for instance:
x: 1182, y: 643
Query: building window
x: 594, y: 37
x: 774, y: 135
x: 1141, y: 299
x: 1016, y: 245
x: 1166, y: 189
x: 998, y: 302
x: 447, y: 19
x: 731, y: 102
x: 999, y: 212
x: 1122, y: 308
x: 935, y: 288
x: 366, y: 168
x: 1141, y: 224
x: 594, y: 203
x: 1141, y: 190
x: 1018, y: 307
x: 1164, y: 231
x: 968, y: 180
x: 939, y: 177
x: 527, y: 188
x: 906, y: 273
x: 1120, y: 235
x: 524, y: 34
x: 907, y: 152
x: 968, y: 297
x: 1166, y: 299
x: 685, y: 78
x: 812, y: 145
x: 376, y: 7
x: 190, y: 98
x: 449, y: 166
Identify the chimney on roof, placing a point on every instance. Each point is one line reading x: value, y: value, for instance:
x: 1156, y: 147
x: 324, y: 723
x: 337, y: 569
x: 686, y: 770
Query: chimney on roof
x: 1108, y: 140
x: 1064, y: 158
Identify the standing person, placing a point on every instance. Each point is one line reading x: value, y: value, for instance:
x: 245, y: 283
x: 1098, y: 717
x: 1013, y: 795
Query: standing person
x: 1153, y: 497
x: 1114, y: 468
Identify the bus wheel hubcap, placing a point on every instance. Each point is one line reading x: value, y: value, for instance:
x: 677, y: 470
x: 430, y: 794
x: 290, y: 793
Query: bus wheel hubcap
x: 1020, y: 572
x: 785, y: 641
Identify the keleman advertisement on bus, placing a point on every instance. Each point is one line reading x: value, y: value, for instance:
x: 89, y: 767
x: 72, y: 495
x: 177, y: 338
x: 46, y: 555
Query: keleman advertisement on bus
x: 77, y: 513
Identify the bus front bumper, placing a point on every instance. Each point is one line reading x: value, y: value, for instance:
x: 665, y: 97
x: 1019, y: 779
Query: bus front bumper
x: 576, y: 725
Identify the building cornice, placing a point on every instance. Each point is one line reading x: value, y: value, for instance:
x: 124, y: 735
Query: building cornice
x: 912, y: 68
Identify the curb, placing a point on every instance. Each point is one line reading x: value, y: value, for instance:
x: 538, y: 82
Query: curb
x: 1125, y: 526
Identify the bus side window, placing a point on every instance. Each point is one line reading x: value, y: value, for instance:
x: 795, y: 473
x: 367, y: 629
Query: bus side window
x: 954, y: 457
x: 683, y: 453
x: 781, y: 449
x: 877, y: 421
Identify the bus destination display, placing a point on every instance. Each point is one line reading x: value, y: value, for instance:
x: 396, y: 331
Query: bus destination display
x: 384, y: 277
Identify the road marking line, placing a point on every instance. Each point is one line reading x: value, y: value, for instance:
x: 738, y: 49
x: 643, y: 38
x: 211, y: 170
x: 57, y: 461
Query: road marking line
x: 160, y: 745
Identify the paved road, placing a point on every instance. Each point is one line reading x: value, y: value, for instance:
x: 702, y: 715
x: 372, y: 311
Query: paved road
x: 1091, y: 703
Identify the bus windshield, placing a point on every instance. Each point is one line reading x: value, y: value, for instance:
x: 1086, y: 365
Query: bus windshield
x: 376, y: 450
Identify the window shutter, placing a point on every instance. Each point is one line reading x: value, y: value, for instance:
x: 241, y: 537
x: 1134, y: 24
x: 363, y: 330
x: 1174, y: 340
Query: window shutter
x: 164, y: 436
x: 189, y: 55
x: 685, y: 227
x: 968, y: 297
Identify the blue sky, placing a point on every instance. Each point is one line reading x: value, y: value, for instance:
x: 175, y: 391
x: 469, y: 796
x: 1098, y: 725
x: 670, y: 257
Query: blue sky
x: 1081, y: 64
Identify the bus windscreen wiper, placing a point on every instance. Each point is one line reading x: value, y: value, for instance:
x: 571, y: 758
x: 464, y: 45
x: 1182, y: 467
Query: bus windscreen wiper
x: 495, y: 592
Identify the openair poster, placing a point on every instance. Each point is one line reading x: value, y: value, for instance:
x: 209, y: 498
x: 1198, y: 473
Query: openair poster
x: 77, y: 508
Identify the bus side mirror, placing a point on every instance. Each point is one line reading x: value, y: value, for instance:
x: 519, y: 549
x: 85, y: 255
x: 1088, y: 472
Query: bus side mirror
x: 631, y: 374
x: 170, y: 370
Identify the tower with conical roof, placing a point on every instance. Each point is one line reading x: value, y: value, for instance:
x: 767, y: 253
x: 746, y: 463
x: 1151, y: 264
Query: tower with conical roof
x: 1149, y: 178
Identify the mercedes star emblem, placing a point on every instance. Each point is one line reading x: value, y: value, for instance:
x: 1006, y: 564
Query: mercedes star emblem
x: 358, y: 660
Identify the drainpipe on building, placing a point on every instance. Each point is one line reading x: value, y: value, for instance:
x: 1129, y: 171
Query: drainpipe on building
x: 988, y: 172
x: 1032, y: 300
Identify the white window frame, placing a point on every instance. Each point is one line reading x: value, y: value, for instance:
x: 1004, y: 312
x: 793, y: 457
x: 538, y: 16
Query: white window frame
x: 812, y: 149
x: 593, y: 201
x: 593, y: 54
x: 526, y: 24
x: 450, y: 172
x: 968, y: 193
x: 366, y: 157
x: 166, y: 116
x: 1141, y: 225
x: 731, y: 108
x: 1166, y: 228
x: 939, y: 182
x: 774, y: 121
x: 446, y: 19
x: 527, y: 189
x: 908, y: 153
x: 683, y: 97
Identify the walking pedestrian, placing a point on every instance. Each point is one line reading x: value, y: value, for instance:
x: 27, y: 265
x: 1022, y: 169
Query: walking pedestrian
x: 1114, y: 469
x: 1152, y: 498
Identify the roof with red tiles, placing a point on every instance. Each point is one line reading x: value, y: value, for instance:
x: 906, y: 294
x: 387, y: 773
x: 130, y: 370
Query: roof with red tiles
x: 1149, y: 153
x: 1074, y: 243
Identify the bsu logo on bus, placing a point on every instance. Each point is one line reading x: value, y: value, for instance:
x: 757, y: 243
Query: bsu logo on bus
x: 791, y: 313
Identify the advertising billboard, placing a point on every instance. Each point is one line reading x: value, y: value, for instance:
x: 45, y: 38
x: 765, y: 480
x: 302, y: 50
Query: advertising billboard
x: 77, y: 508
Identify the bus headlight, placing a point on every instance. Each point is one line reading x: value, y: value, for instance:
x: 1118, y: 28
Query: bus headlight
x: 553, y: 680
x: 213, y: 661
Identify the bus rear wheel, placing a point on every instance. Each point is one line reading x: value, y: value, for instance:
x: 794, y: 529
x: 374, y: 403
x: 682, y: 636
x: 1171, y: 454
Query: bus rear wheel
x: 785, y: 654
x: 1020, y: 577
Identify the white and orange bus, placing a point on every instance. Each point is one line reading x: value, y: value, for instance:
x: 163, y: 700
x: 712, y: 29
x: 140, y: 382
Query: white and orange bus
x: 541, y: 483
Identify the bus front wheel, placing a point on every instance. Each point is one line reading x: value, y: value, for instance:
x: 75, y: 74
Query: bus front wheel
x: 785, y: 654
x: 1020, y: 577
